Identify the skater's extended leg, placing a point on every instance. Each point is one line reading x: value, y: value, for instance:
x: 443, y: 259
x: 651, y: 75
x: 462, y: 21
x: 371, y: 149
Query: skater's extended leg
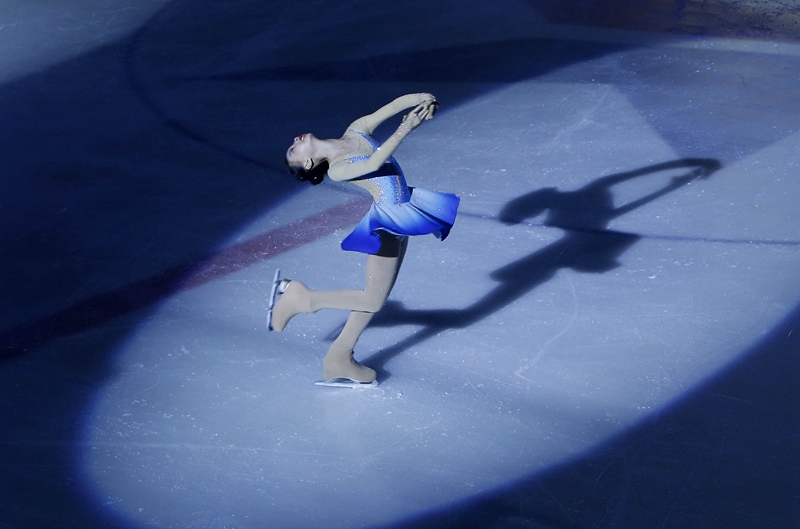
x: 292, y: 301
x: 381, y: 273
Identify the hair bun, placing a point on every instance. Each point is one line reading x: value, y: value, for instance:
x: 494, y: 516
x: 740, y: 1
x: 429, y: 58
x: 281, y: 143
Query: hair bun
x: 315, y: 175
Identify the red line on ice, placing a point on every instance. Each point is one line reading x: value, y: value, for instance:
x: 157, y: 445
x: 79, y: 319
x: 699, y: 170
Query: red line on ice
x: 102, y: 308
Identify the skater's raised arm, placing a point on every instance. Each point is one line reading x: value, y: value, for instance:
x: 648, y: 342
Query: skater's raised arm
x: 348, y: 170
x: 370, y: 122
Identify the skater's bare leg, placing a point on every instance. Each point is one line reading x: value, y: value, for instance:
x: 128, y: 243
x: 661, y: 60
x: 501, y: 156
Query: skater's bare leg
x: 339, y: 362
x: 381, y: 274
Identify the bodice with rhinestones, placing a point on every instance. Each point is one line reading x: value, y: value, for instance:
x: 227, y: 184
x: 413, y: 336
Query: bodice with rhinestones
x: 387, y: 185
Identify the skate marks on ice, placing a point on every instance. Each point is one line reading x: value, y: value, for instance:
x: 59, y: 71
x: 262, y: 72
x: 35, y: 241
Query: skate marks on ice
x: 588, y: 245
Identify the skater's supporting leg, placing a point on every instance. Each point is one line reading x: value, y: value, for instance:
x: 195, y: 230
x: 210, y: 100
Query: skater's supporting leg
x: 381, y: 276
x: 339, y: 362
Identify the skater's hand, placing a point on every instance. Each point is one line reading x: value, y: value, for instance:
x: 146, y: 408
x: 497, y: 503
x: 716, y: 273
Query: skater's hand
x: 433, y: 107
x: 422, y: 112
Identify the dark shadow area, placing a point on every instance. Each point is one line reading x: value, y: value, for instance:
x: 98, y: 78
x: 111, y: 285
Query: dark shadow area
x: 587, y: 246
x: 459, y: 73
x: 492, y: 62
x: 725, y: 456
x: 717, y: 18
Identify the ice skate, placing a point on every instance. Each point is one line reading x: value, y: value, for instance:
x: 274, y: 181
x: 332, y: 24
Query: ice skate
x: 273, y: 296
x: 292, y: 298
x: 345, y: 370
x: 346, y: 383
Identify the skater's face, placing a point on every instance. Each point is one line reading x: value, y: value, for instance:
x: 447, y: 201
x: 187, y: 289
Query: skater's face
x: 299, y: 154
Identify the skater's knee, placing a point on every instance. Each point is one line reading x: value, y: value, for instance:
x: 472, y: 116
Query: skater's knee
x: 374, y: 299
x: 373, y: 304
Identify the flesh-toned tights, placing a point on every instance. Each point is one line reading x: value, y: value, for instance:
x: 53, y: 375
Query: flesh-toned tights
x: 381, y: 274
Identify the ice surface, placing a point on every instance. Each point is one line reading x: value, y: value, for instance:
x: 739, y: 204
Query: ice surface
x: 606, y: 339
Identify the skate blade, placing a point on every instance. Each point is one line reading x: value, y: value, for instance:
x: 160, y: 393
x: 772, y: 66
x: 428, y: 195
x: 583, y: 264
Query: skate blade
x: 346, y: 383
x: 273, y: 295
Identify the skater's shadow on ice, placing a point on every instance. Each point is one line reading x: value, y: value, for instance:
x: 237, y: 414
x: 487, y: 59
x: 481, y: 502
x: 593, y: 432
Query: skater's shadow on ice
x: 587, y: 246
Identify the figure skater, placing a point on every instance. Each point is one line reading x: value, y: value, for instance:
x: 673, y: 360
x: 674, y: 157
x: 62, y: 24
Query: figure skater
x: 397, y: 212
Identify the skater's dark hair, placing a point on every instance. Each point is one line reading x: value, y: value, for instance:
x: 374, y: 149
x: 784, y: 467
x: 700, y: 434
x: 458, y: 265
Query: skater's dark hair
x: 315, y: 175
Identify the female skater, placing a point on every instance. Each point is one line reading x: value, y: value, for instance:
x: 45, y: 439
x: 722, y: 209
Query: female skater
x: 397, y: 212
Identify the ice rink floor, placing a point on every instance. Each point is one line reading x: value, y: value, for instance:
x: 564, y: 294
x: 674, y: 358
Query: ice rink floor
x: 609, y: 337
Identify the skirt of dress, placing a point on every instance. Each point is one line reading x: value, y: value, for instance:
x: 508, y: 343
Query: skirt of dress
x: 427, y: 212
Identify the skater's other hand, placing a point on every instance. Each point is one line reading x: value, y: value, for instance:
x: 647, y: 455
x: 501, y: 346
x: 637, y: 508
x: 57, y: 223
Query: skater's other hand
x: 422, y: 112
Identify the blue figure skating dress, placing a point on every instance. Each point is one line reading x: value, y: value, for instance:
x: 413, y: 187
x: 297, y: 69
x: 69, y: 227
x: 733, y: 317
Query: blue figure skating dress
x: 398, y: 209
